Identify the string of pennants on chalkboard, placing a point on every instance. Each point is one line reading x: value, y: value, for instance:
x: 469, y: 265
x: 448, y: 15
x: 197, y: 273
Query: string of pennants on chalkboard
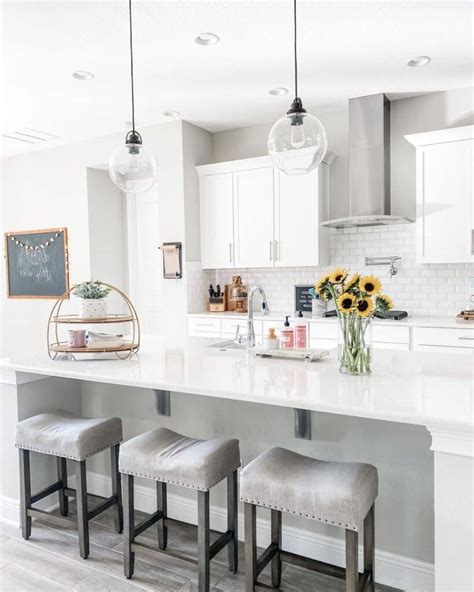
x: 36, y: 247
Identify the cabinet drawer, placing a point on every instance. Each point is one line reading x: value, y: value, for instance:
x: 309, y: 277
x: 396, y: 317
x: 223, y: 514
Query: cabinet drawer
x: 323, y: 330
x: 229, y: 326
x: 204, y: 326
x: 385, y: 334
x: 430, y: 336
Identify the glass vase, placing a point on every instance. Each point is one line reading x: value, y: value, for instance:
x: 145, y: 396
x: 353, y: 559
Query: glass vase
x: 355, y: 344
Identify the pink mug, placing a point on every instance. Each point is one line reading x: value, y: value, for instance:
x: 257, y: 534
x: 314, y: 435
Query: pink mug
x: 76, y: 338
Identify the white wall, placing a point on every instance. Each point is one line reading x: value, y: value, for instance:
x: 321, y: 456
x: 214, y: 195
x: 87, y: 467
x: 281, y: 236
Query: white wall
x: 49, y: 188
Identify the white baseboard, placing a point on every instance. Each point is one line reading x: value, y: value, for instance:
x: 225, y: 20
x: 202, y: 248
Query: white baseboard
x: 391, y: 569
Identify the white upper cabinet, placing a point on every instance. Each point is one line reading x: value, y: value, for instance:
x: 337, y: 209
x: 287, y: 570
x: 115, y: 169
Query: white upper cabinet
x: 444, y: 195
x: 217, y: 230
x: 253, y: 217
x: 274, y: 219
x: 299, y: 240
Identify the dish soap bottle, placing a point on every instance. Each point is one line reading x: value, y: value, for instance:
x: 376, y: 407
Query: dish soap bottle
x: 287, y: 335
x: 301, y: 332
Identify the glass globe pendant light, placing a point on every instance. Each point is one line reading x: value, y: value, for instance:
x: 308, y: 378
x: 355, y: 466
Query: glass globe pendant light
x: 297, y: 142
x: 132, y: 167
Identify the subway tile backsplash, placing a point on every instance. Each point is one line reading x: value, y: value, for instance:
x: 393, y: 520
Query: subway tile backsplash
x: 427, y: 290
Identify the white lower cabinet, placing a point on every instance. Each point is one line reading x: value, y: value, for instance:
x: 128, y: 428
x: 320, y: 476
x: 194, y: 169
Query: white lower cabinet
x: 443, y: 339
x: 324, y: 334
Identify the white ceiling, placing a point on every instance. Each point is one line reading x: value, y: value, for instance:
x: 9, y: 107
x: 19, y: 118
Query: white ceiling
x: 346, y: 49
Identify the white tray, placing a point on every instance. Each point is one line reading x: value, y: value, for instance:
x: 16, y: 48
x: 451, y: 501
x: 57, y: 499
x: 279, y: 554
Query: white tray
x: 305, y: 355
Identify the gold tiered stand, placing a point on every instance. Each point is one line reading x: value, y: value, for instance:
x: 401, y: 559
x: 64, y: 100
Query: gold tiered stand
x: 123, y: 351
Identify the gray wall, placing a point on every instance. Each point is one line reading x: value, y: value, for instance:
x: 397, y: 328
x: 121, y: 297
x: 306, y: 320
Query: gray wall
x: 416, y: 114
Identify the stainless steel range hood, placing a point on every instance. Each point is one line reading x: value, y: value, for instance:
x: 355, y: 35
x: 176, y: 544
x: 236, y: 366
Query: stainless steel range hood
x: 369, y: 165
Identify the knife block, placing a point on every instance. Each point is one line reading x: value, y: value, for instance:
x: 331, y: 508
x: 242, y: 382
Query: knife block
x: 217, y: 304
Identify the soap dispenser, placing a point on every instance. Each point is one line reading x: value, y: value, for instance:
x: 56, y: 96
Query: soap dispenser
x: 287, y: 335
x: 301, y: 332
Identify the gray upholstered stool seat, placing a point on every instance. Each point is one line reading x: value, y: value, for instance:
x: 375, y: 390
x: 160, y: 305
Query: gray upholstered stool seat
x: 66, y: 435
x: 69, y: 437
x: 339, y: 493
x: 168, y: 457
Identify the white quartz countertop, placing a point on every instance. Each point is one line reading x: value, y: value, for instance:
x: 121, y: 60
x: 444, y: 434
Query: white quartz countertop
x: 408, y: 387
x: 415, y: 321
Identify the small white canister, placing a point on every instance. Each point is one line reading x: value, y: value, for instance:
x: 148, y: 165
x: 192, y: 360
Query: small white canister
x: 92, y: 308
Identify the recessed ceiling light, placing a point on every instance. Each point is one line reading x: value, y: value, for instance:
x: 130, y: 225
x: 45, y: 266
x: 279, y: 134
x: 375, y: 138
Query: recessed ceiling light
x: 278, y: 92
x: 419, y: 61
x: 207, y: 39
x: 83, y: 75
x: 171, y: 113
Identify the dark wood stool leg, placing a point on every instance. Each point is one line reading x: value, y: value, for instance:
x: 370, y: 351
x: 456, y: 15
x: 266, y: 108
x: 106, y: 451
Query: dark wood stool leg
x: 250, y: 524
x: 62, y: 476
x: 369, y: 547
x: 203, y: 541
x: 162, y: 506
x: 81, y: 500
x: 232, y: 522
x: 25, y: 492
x: 116, y: 487
x: 276, y: 538
x: 352, y: 561
x: 129, y: 526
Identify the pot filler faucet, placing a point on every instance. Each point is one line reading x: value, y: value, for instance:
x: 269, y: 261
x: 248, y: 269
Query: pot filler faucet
x: 265, y: 310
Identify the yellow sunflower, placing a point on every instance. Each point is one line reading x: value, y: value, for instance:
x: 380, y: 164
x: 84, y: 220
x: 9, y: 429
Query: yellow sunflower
x: 365, y: 307
x: 338, y: 275
x: 320, y: 283
x: 384, y: 302
x: 370, y: 284
x: 351, y: 282
x: 346, y: 302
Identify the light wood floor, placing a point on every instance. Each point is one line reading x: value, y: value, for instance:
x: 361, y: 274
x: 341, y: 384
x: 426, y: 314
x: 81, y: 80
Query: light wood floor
x: 50, y: 562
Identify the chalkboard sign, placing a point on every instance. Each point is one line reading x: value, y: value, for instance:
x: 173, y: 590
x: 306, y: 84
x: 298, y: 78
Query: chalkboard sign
x: 303, y: 300
x: 37, y: 263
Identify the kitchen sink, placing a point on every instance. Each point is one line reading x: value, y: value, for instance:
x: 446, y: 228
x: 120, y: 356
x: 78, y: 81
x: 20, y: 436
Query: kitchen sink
x: 227, y: 345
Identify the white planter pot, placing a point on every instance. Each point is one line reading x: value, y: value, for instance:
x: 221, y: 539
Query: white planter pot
x: 92, y: 309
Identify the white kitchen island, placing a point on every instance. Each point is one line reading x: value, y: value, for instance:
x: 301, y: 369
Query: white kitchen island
x: 432, y: 390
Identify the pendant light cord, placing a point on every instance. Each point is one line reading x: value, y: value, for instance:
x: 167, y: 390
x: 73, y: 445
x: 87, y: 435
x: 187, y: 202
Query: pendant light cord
x: 131, y: 63
x: 295, y: 49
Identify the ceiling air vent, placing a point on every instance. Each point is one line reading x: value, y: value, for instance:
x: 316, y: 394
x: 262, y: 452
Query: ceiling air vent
x: 30, y: 136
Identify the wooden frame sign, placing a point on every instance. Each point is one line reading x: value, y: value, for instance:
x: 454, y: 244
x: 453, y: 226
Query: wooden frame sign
x: 37, y: 263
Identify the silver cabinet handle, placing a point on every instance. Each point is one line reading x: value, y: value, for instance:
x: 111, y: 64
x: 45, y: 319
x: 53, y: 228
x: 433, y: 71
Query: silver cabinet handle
x: 466, y: 338
x: 271, y: 250
x: 230, y: 252
x: 275, y: 250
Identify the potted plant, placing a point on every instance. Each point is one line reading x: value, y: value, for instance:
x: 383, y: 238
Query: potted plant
x: 357, y: 299
x: 92, y: 304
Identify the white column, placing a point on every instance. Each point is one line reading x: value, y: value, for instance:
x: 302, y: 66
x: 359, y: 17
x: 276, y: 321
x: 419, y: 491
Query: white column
x: 23, y: 395
x: 454, y: 508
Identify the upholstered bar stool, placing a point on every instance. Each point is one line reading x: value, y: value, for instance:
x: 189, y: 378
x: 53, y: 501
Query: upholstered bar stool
x: 337, y: 493
x: 68, y: 436
x: 167, y: 457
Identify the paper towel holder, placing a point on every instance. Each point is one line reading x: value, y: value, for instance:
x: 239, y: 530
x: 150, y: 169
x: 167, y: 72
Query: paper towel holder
x: 172, y: 260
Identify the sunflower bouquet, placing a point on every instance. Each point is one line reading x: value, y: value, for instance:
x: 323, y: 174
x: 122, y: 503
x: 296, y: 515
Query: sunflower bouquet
x: 357, y: 299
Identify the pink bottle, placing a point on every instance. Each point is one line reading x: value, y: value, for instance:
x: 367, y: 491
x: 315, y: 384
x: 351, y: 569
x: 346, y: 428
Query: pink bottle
x: 287, y: 338
x: 301, y: 332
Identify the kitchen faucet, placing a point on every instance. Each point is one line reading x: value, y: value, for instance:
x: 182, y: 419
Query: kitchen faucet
x: 265, y: 310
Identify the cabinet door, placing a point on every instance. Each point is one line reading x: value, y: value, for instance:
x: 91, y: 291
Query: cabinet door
x: 297, y: 230
x: 253, y: 217
x: 445, y: 203
x: 217, y: 231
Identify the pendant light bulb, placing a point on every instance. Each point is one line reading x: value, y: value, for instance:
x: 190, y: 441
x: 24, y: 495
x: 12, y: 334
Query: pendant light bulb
x: 133, y: 168
x: 297, y: 142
